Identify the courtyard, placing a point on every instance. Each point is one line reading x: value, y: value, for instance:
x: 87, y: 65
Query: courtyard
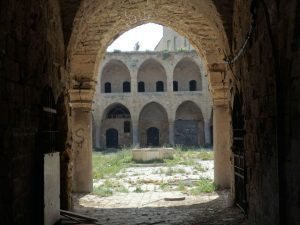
x: 171, y: 191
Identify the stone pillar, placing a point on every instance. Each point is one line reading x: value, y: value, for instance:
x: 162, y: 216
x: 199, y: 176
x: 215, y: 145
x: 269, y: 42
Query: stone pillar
x: 82, y: 147
x: 81, y: 104
x: 171, y: 133
x: 222, y: 150
x: 207, y: 132
x: 133, y: 76
x: 97, y: 136
x: 135, y: 134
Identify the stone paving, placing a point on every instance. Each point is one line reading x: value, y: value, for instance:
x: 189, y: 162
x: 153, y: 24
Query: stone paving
x: 152, y: 208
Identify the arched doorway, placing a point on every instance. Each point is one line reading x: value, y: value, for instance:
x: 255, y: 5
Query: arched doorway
x: 153, y: 136
x: 153, y: 125
x: 112, y: 138
x: 116, y: 127
x: 189, y: 125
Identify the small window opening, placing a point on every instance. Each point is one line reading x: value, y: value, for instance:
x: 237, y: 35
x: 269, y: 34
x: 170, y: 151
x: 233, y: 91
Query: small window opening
x: 107, y: 87
x: 159, y: 86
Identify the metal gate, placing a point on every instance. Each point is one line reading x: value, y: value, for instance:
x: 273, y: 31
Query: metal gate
x: 112, y: 138
x: 153, y: 136
x: 240, y: 171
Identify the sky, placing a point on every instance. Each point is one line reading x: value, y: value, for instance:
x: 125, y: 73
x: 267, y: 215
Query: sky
x: 148, y: 35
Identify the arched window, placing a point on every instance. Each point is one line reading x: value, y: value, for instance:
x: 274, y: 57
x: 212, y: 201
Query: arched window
x: 193, y: 85
x: 175, y: 85
x: 141, y: 86
x: 159, y: 86
x: 107, y: 87
x: 127, y: 127
x: 118, y: 112
x: 126, y: 86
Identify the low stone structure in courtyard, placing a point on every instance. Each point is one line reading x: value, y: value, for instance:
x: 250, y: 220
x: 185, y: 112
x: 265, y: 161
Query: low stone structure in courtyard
x: 151, y: 154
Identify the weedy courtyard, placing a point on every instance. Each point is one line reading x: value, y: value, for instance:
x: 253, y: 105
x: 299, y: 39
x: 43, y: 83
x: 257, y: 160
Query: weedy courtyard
x: 190, y: 172
x: 173, y: 191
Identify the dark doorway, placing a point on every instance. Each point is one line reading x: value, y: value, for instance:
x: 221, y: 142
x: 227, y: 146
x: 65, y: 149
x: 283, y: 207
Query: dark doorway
x: 240, y: 178
x: 153, y: 136
x: 112, y: 139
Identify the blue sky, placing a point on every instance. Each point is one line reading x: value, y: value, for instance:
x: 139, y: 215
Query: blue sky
x: 148, y: 36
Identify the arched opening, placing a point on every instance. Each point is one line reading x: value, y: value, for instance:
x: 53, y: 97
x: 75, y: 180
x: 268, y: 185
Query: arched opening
x: 153, y: 75
x: 115, y: 127
x: 115, y: 77
x: 189, y: 125
x: 153, y: 116
x: 187, y: 74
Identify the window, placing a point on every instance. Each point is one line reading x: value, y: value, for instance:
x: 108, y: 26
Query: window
x: 126, y: 86
x: 175, y: 85
x: 107, y: 87
x: 159, y: 86
x: 193, y: 85
x: 118, y: 112
x: 127, y: 127
x: 141, y: 86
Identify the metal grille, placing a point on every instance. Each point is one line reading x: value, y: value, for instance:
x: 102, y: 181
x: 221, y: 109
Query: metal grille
x: 239, y: 155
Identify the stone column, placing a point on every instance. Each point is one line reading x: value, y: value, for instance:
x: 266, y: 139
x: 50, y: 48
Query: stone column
x: 81, y: 104
x: 207, y: 132
x: 97, y: 136
x: 171, y: 133
x: 135, y: 134
x: 133, y: 76
x: 222, y: 150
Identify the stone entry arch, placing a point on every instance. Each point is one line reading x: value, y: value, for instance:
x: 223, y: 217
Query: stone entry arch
x: 115, y: 123
x: 189, y: 125
x: 153, y: 115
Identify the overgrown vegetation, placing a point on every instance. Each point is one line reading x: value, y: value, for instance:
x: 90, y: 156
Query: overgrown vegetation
x: 203, y: 186
x: 108, y: 166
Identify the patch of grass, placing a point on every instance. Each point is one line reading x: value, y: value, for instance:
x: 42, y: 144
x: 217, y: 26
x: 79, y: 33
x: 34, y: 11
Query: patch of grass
x: 200, y: 168
x: 108, y: 188
x: 181, y: 187
x: 152, y: 161
x: 138, y: 189
x: 203, y: 186
x: 109, y: 164
x: 163, y: 186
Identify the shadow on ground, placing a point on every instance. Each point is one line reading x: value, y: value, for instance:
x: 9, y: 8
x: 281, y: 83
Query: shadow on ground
x: 162, y: 212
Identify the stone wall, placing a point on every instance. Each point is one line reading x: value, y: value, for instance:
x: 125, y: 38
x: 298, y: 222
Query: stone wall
x: 269, y: 80
x: 32, y: 57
